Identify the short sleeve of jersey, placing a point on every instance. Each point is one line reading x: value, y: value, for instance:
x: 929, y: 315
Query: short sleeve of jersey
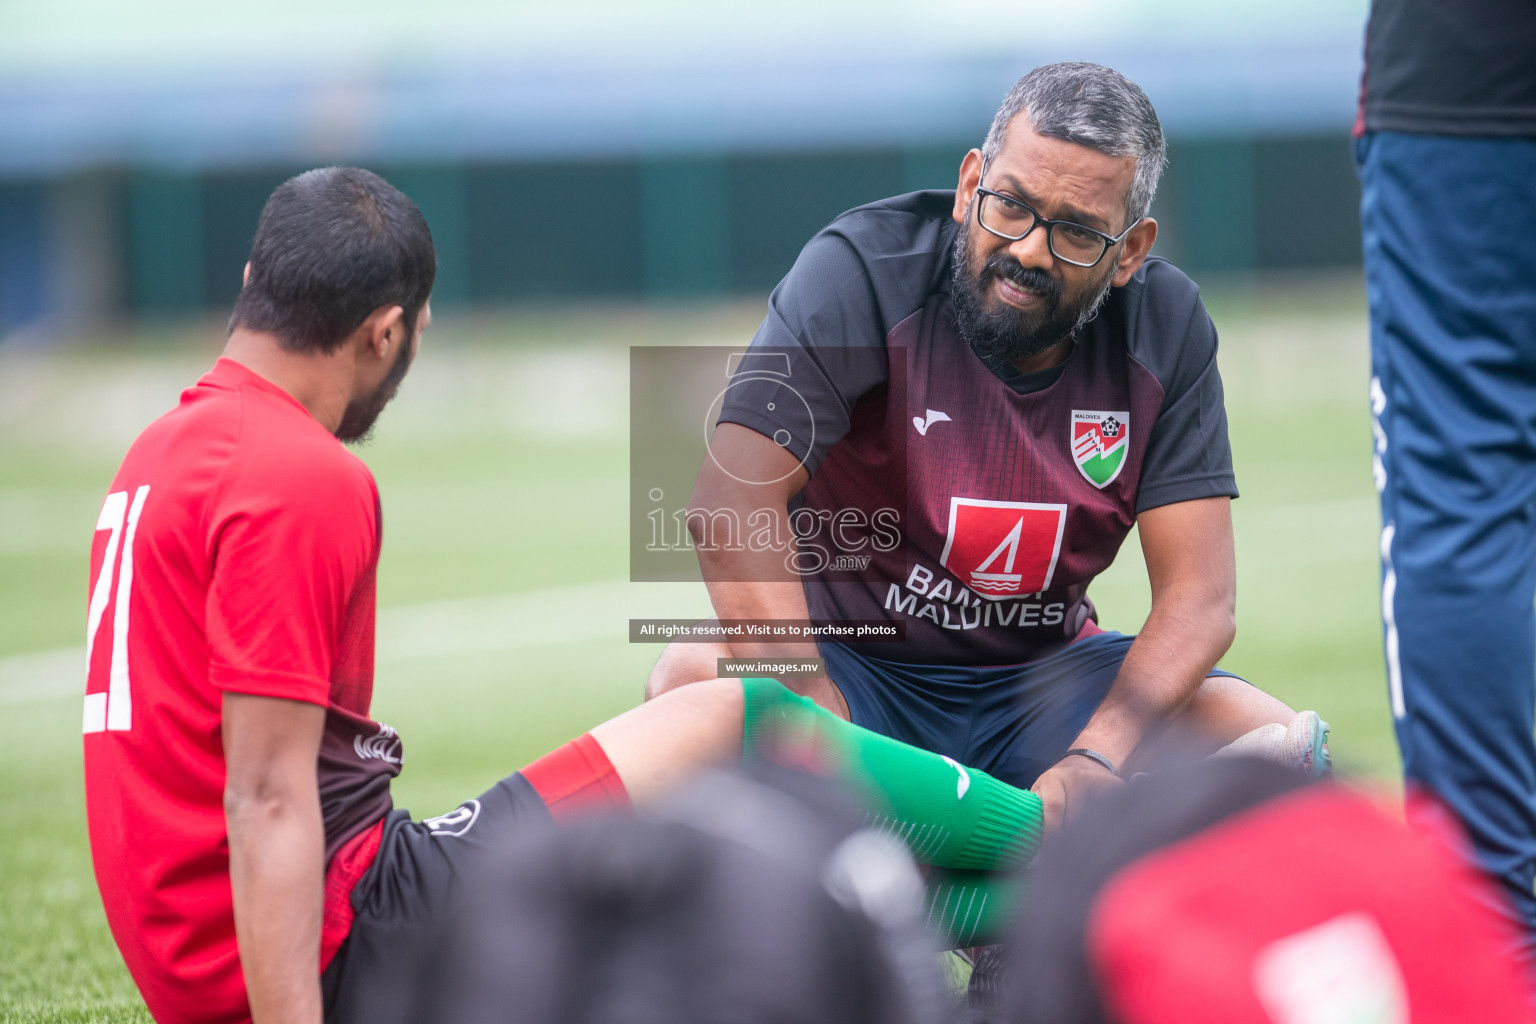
x: 821, y: 347
x: 819, y: 350
x: 1188, y: 454
x: 289, y: 545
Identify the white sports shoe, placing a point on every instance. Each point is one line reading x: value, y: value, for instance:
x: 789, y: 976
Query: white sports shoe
x: 1302, y: 745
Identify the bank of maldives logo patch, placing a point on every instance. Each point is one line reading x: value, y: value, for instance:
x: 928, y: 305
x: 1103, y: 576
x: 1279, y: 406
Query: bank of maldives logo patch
x: 1100, y: 441
x: 1003, y: 548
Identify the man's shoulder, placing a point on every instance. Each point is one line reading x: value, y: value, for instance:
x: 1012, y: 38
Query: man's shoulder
x: 880, y: 261
x: 1158, y: 316
x: 903, y: 242
x: 1158, y: 287
x: 910, y: 224
x: 1159, y: 321
x: 245, y: 445
x: 286, y: 456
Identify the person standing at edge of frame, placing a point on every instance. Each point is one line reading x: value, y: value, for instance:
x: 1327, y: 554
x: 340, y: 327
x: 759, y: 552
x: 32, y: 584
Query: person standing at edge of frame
x: 1446, y: 149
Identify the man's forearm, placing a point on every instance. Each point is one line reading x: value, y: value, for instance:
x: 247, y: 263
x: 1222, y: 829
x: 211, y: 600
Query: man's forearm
x: 762, y: 585
x: 755, y: 583
x: 1184, y: 637
x: 735, y: 595
x: 276, y: 869
x: 758, y: 600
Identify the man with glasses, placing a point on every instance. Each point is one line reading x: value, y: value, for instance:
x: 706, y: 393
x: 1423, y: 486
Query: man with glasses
x: 1005, y: 375
x: 251, y: 862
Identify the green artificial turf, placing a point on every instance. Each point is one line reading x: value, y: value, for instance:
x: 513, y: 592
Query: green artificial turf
x: 503, y: 469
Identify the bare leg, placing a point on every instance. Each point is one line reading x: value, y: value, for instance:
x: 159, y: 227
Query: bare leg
x: 1221, y: 710
x: 1225, y: 708
x: 683, y: 663
x: 664, y: 741
x: 659, y: 744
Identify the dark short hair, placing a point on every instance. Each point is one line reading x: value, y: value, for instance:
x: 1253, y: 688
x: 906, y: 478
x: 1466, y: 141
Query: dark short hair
x: 333, y: 245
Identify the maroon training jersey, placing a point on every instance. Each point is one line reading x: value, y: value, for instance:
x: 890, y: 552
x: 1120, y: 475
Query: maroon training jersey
x: 1011, y: 491
x: 236, y: 552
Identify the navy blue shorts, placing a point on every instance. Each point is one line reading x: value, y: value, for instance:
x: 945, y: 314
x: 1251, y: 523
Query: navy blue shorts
x: 1447, y: 222
x: 1010, y: 721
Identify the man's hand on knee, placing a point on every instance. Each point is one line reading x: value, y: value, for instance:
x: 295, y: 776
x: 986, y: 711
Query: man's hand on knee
x: 1068, y: 785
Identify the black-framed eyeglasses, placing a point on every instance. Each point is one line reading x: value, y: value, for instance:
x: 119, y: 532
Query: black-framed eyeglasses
x: 1008, y: 217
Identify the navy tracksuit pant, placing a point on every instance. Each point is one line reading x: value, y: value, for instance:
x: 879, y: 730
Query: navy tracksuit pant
x: 1449, y: 228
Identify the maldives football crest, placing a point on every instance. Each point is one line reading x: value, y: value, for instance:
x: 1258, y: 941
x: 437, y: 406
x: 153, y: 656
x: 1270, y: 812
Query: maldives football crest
x: 1003, y: 548
x: 1100, y: 442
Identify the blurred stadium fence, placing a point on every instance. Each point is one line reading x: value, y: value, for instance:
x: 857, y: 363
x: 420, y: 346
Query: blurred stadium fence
x: 601, y: 149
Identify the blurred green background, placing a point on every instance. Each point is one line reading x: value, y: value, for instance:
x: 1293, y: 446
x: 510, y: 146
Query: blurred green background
x: 503, y: 601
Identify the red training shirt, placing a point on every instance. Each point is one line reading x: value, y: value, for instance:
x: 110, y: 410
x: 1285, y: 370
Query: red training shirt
x: 236, y: 551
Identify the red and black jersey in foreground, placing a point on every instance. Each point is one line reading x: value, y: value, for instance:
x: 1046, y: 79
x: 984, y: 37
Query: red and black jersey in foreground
x: 974, y: 505
x: 1227, y: 892
x: 235, y: 553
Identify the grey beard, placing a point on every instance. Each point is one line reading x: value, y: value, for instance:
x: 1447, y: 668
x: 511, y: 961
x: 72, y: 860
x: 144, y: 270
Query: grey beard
x: 1000, y: 335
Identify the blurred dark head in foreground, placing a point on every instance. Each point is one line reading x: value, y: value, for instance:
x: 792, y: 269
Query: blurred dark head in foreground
x: 1231, y: 892
x: 743, y: 900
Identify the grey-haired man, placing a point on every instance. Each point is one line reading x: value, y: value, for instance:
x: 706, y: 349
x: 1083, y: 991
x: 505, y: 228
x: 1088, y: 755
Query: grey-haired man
x: 1006, y: 371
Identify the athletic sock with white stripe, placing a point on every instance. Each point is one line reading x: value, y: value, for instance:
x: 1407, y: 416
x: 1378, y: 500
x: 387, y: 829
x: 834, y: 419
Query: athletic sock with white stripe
x: 971, y: 908
x: 950, y: 816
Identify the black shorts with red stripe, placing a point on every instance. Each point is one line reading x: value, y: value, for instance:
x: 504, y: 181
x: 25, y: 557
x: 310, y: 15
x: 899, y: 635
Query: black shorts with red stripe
x: 405, y: 902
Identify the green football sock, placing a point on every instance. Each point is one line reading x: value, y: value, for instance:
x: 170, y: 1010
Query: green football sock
x: 970, y: 908
x: 948, y: 815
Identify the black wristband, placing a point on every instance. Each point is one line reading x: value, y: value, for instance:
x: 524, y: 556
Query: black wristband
x: 1093, y: 755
